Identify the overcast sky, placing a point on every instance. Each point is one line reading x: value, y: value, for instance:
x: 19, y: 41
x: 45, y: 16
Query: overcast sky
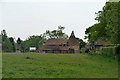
x: 23, y: 18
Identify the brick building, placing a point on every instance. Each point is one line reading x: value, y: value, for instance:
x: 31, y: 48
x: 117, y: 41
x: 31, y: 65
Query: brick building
x: 60, y: 45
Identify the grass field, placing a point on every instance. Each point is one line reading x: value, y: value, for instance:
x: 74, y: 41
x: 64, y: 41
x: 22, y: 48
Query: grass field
x: 36, y: 65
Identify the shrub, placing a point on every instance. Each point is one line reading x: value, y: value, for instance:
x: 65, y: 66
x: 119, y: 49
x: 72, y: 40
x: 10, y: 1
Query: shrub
x: 118, y: 49
x: 109, y: 51
x: 82, y: 50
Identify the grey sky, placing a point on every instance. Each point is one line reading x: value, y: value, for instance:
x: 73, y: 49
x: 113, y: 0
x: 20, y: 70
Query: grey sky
x: 23, y: 19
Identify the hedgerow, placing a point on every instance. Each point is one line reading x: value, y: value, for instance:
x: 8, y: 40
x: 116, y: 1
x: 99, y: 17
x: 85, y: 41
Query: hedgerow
x: 110, y: 51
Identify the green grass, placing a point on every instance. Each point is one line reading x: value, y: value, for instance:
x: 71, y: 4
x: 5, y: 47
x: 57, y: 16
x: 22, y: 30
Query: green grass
x: 15, y: 65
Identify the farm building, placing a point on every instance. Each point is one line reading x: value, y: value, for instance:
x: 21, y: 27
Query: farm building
x: 99, y: 44
x: 60, y: 45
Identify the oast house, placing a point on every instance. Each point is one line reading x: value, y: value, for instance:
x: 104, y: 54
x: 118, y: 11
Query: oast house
x: 60, y: 45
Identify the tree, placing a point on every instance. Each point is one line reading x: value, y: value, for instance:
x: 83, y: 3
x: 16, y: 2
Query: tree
x: 4, y: 35
x: 13, y: 44
x: 6, y: 44
x: 19, y: 42
x: 96, y: 32
x: 111, y: 11
x: 82, y: 43
x: 56, y: 33
x: 3, y: 32
x: 108, y: 27
x: 33, y: 41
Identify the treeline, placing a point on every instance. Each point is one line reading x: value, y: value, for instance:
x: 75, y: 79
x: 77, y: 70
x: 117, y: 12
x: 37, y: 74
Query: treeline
x: 10, y: 45
x: 108, y: 26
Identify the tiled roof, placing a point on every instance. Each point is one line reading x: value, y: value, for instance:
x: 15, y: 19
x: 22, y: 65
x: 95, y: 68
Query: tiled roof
x: 101, y: 43
x: 72, y: 41
x: 57, y: 41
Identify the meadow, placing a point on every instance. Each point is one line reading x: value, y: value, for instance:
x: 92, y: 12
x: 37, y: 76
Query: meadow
x: 38, y: 65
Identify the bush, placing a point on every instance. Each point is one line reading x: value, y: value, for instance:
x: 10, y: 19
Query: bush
x: 118, y: 49
x: 82, y: 50
x: 109, y: 51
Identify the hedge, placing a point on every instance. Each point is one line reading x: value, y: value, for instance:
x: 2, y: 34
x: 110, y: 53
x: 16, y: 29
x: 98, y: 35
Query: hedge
x: 118, y: 50
x: 110, y: 51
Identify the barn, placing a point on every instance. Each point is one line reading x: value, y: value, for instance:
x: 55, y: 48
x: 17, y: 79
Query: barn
x: 60, y: 45
x: 99, y: 44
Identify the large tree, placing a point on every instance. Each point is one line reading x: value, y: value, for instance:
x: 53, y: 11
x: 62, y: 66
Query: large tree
x: 6, y: 44
x: 108, y: 27
x: 96, y: 32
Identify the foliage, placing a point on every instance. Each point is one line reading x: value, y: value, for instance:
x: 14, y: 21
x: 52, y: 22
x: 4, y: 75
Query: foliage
x: 56, y: 33
x: 82, y: 50
x: 33, y: 41
x: 6, y: 43
x: 3, y: 32
x: 82, y: 43
x: 118, y: 49
x: 13, y: 44
x: 31, y: 65
x: 19, y: 44
x: 108, y: 27
x: 96, y: 32
x: 93, y: 48
x: 109, y: 51
x: 19, y: 41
